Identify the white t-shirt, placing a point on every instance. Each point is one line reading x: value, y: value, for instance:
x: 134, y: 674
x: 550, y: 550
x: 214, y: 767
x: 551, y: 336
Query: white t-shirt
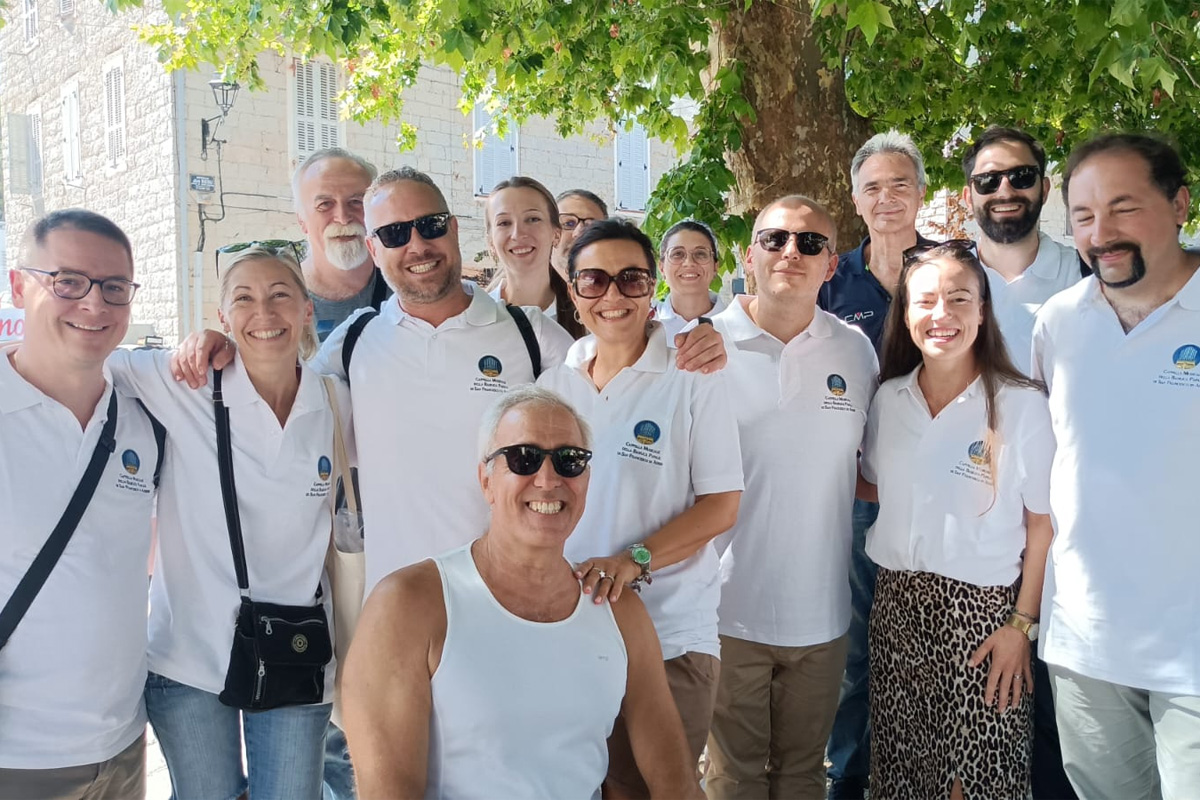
x: 1055, y: 268
x: 801, y: 409
x: 419, y: 394
x: 939, y: 509
x: 284, y: 478
x: 661, y: 437
x: 674, y: 324
x: 1122, y: 593
x: 497, y: 294
x: 72, y: 675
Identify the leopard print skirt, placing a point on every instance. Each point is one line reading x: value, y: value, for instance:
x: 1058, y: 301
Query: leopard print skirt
x: 929, y: 724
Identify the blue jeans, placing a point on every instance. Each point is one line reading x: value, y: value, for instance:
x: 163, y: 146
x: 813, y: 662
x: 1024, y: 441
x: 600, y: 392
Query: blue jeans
x: 849, y: 748
x: 339, y: 774
x: 201, y: 740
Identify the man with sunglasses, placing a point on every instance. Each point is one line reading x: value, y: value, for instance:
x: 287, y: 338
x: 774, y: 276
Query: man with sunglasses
x: 72, y: 673
x: 1005, y: 171
x: 800, y: 382
x: 888, y: 181
x: 530, y: 673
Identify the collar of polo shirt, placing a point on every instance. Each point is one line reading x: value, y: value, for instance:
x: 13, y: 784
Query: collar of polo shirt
x: 482, y: 310
x: 655, y: 358
x: 19, y: 393
x: 908, y: 383
x: 742, y: 328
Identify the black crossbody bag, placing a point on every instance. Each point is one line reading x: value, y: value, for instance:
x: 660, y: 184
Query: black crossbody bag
x: 279, y: 652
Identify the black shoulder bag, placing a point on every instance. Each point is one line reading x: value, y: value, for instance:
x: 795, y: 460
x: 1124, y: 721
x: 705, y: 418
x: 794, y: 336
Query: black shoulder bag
x: 279, y: 652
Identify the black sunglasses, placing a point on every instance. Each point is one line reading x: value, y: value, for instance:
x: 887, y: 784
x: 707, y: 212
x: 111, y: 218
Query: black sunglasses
x: 631, y: 282
x: 958, y: 245
x: 1025, y: 177
x: 526, y: 459
x: 398, y: 234
x: 809, y: 243
x: 276, y: 247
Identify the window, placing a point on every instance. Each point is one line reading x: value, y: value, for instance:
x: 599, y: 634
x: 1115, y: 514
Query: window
x: 34, y: 116
x: 633, y: 169
x: 114, y: 113
x: 72, y: 147
x: 66, y: 8
x: 497, y: 159
x: 315, y: 118
x: 31, y: 21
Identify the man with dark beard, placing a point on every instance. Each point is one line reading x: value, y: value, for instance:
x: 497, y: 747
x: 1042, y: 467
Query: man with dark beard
x: 1005, y: 170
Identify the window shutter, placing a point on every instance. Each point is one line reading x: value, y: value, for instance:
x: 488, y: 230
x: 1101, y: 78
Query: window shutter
x: 497, y: 159
x: 18, y: 154
x: 306, y: 123
x: 31, y: 21
x: 72, y: 147
x: 66, y: 8
x: 114, y: 115
x: 35, y: 153
x: 328, y: 111
x: 633, y: 169
x: 316, y: 118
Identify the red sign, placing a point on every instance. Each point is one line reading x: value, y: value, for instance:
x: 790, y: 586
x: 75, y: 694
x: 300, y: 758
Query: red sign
x: 12, y: 324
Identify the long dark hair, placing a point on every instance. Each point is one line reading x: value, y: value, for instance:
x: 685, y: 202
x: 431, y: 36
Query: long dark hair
x: 564, y: 307
x: 901, y: 355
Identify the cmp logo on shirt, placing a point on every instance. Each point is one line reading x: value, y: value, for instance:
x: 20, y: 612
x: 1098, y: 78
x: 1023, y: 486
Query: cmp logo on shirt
x: 859, y: 316
x: 836, y: 384
x: 646, y: 432
x: 1186, y: 356
x: 324, y: 468
x: 490, y: 366
x: 131, y: 462
x: 978, y: 452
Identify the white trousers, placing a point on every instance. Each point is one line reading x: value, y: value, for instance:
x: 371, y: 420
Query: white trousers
x: 1119, y: 742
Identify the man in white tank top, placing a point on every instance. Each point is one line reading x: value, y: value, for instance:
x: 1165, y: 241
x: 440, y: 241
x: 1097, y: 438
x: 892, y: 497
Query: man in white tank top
x: 486, y: 672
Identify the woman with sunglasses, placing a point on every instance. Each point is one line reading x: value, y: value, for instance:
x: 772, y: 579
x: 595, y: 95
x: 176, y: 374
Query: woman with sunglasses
x: 282, y: 437
x: 689, y: 256
x: 666, y: 477
x: 523, y: 228
x: 958, y: 450
x: 577, y: 208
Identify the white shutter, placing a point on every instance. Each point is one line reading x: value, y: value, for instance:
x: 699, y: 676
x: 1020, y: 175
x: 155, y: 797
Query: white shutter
x: 18, y: 154
x: 66, y: 8
x: 114, y: 116
x: 316, y: 111
x: 633, y: 169
x: 72, y: 146
x: 31, y: 21
x: 328, y: 110
x: 497, y: 159
x: 306, y: 123
x: 35, y: 152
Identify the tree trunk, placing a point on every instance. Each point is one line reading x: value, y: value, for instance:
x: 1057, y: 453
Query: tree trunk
x: 806, y: 133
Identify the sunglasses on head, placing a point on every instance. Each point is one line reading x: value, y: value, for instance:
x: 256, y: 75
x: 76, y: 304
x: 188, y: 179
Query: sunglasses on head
x: 526, y: 459
x: 1025, y: 177
x: 276, y: 247
x: 398, y: 234
x: 809, y: 243
x: 631, y: 282
x: 958, y: 245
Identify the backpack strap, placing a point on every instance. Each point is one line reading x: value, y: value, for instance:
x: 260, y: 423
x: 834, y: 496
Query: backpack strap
x: 351, y: 341
x: 531, y: 342
x: 160, y: 439
x: 380, y: 292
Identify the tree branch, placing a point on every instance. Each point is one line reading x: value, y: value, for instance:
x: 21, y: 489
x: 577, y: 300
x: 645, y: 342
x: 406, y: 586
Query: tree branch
x: 1177, y: 61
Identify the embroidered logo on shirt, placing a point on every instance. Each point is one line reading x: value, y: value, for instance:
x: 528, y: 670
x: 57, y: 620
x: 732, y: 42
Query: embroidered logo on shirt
x: 836, y: 400
x: 978, y: 452
x: 1183, y: 372
x: 490, y: 366
x: 488, y: 379
x: 975, y: 466
x: 642, y: 447
x: 1186, y: 356
x: 859, y: 316
x: 131, y: 462
x: 320, y: 487
x: 646, y: 432
x: 324, y: 468
x: 836, y: 384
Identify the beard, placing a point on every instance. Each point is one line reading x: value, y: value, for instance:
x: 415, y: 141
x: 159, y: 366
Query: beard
x: 1137, y: 267
x: 346, y: 255
x: 1007, y: 231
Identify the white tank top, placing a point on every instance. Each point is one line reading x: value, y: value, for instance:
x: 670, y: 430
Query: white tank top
x: 521, y: 709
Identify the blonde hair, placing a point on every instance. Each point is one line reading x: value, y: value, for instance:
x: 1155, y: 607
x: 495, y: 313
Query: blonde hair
x: 308, y: 336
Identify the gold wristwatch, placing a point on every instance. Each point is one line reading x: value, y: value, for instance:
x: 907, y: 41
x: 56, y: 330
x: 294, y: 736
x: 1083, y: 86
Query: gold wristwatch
x: 1024, y: 624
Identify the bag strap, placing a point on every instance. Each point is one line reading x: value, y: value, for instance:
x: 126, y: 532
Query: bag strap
x: 380, y: 292
x: 340, y: 459
x: 351, y: 341
x: 160, y: 439
x: 35, y: 577
x: 233, y: 520
x: 531, y: 342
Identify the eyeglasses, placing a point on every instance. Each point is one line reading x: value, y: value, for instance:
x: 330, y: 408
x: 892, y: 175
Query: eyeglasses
x: 570, y: 222
x: 398, y: 234
x: 71, y: 285
x: 1024, y: 177
x: 276, y: 247
x: 700, y: 256
x: 809, y: 243
x: 526, y: 459
x: 957, y: 245
x: 631, y: 282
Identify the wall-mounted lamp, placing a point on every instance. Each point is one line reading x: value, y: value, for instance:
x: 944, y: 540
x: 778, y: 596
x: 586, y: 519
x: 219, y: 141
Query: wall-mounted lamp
x: 224, y: 92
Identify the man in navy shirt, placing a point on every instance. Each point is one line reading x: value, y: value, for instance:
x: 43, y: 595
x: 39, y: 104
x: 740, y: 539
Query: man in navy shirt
x: 887, y: 176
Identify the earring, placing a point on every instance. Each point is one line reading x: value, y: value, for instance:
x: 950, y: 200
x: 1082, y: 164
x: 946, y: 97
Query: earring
x: 577, y: 318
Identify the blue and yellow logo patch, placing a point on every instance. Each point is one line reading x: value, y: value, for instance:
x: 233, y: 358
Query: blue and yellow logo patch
x: 490, y: 366
x: 646, y: 432
x: 131, y: 462
x: 836, y: 384
x: 1187, y: 356
x: 978, y: 452
x: 324, y: 468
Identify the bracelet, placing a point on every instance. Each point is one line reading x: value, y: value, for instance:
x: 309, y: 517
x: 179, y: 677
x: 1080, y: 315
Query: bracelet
x: 1023, y: 615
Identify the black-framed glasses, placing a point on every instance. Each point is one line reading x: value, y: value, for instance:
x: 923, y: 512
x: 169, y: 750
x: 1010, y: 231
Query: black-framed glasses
x: 1023, y: 177
x: 276, y: 247
x: 526, y: 459
x: 809, y: 243
x: 71, y: 285
x: 631, y: 282
x: 570, y: 222
x: 701, y: 256
x: 398, y: 234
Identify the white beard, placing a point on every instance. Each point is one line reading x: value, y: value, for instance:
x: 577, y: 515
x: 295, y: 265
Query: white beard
x: 346, y: 255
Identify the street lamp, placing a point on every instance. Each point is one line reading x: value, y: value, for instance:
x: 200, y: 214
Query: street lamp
x: 224, y: 92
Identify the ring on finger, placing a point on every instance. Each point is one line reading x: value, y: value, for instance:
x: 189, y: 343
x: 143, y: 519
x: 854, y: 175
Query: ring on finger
x: 603, y: 574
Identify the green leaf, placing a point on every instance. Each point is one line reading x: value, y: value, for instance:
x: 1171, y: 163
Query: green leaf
x: 869, y: 16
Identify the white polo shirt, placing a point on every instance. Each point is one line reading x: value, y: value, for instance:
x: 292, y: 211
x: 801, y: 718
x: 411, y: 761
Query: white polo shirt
x: 1122, y: 594
x: 284, y: 479
x: 497, y: 294
x: 939, y: 509
x: 661, y: 436
x: 1055, y: 268
x: 72, y: 675
x: 801, y: 409
x: 419, y: 394
x: 674, y: 324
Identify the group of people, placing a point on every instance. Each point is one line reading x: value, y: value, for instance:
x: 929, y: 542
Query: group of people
x: 837, y: 517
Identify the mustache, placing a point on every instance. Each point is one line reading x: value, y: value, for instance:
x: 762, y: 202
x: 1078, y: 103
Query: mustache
x: 1116, y: 247
x: 353, y: 229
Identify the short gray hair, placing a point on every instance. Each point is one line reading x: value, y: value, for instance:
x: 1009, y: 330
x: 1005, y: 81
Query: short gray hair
x: 402, y: 175
x: 892, y: 141
x: 528, y: 395
x: 321, y: 155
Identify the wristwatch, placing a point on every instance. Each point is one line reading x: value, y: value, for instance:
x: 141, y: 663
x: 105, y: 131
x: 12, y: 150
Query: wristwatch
x: 1029, y: 627
x: 641, y: 556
